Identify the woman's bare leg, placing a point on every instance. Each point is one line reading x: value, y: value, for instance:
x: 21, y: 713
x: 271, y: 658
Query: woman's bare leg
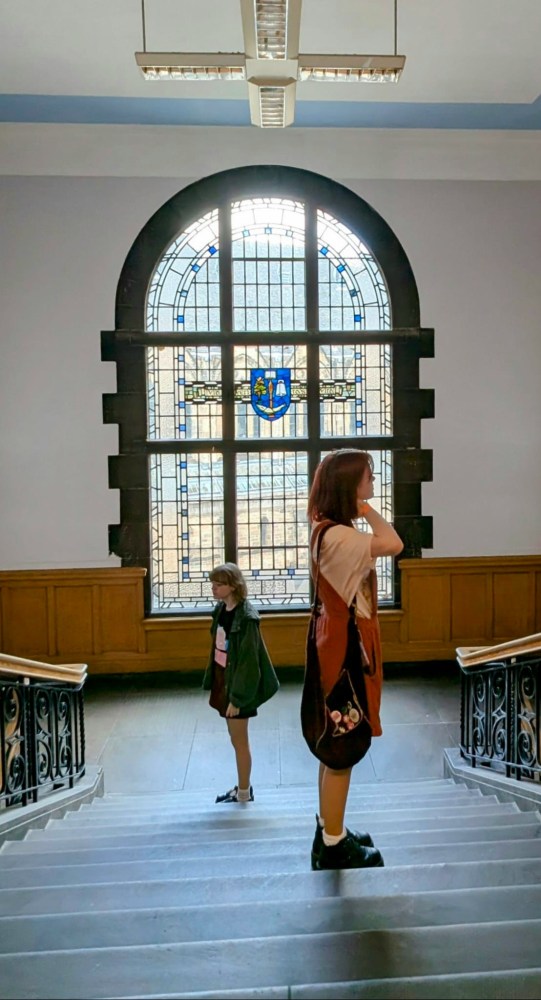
x: 334, y: 788
x: 238, y: 732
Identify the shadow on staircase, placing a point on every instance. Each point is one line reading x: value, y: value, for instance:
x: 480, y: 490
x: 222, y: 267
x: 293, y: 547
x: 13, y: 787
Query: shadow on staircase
x: 173, y: 896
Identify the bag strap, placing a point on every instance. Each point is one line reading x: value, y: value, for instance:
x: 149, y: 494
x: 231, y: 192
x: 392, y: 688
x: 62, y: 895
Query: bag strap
x: 324, y: 529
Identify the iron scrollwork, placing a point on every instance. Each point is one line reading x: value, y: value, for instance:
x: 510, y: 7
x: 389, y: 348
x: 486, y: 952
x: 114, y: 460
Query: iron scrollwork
x: 41, y: 738
x: 501, y: 716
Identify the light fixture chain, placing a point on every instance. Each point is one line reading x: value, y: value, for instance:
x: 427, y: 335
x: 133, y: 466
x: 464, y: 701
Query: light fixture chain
x: 144, y: 26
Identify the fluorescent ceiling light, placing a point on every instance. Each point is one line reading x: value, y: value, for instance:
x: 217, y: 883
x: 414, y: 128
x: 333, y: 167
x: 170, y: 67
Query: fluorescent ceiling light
x: 192, y: 65
x: 271, y: 64
x: 272, y: 104
x: 351, y: 69
x: 271, y: 28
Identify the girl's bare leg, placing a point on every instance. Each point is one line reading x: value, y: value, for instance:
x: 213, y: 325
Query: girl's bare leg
x: 334, y: 788
x: 238, y: 732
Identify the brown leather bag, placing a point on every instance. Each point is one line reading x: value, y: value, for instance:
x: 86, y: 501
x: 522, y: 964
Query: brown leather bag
x: 335, y: 727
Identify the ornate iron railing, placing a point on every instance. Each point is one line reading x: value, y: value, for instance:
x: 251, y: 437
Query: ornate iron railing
x: 42, y: 734
x: 500, y: 717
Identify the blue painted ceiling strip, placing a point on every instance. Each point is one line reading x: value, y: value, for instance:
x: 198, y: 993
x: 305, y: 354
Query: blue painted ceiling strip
x: 308, y: 114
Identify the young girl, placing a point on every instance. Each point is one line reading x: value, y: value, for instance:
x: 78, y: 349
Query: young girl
x: 239, y: 674
x: 343, y: 483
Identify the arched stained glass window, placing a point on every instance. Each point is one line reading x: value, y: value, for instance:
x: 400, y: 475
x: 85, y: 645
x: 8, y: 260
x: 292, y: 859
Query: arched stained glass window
x: 267, y: 337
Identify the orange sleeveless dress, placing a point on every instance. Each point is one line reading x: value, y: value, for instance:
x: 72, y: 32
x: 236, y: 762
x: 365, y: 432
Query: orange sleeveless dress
x: 331, y: 638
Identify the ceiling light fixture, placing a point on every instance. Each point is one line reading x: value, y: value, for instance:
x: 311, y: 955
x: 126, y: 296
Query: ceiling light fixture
x: 271, y: 64
x: 351, y: 69
x: 191, y: 65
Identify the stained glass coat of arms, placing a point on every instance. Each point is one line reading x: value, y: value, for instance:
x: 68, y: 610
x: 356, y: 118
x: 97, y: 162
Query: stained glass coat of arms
x: 270, y: 392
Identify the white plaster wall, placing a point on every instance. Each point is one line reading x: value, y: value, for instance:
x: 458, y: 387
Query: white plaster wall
x: 63, y: 244
x: 474, y: 247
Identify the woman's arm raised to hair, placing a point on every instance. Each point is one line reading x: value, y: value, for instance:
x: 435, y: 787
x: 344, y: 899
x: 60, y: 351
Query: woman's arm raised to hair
x: 385, y: 541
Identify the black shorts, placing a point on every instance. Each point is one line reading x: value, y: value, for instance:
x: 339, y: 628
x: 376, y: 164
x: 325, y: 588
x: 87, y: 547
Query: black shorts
x: 219, y: 700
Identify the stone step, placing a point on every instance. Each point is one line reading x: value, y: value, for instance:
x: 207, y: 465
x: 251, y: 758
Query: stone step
x: 231, y: 864
x: 174, y: 925
x: 261, y: 962
x: 58, y: 837
x: 160, y: 847
x: 147, y: 807
x: 212, y: 810
x: 155, y: 893
x: 522, y: 985
x: 292, y: 791
x: 238, y: 815
x: 289, y: 793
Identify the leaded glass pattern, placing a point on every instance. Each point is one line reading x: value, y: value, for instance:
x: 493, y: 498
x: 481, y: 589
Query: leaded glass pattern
x: 268, y: 247
x: 184, y: 393
x: 352, y: 290
x: 187, y: 528
x: 200, y: 390
x: 184, y: 292
x: 355, y: 390
x: 273, y: 528
x: 248, y: 424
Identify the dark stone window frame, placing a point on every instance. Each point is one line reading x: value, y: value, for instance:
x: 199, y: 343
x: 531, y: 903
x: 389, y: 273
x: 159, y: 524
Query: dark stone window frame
x: 126, y: 346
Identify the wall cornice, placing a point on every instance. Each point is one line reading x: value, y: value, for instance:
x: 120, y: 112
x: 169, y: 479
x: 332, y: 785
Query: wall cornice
x: 185, y: 152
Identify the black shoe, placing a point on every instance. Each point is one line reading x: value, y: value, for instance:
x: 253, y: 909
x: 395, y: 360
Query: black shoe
x: 348, y: 853
x: 233, y: 795
x: 364, y: 839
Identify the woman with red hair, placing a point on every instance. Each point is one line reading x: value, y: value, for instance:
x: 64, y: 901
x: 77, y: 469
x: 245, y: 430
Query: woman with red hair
x: 344, y: 561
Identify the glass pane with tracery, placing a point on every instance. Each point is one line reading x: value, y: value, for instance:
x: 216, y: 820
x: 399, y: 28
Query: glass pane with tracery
x: 184, y: 292
x: 187, y: 529
x: 184, y: 393
x: 352, y: 290
x: 187, y: 397
x: 268, y: 265
x: 355, y: 390
x: 272, y: 495
x: 275, y: 377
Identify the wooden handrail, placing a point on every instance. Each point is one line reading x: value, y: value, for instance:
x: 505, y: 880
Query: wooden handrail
x: 474, y: 656
x: 68, y: 673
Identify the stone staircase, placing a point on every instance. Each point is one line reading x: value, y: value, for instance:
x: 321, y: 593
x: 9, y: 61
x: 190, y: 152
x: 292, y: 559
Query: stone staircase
x: 173, y: 896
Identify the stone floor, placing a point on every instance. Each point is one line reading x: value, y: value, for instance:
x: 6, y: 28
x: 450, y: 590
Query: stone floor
x: 157, y: 733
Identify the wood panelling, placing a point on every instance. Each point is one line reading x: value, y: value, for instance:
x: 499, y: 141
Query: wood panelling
x: 25, y: 620
x: 514, y: 604
x: 90, y: 613
x: 73, y: 607
x: 470, y: 603
x: 97, y: 616
x: 537, y: 598
x: 427, y: 618
x: 120, y: 613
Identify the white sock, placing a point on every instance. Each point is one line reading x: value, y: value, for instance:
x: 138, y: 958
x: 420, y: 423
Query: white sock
x: 243, y: 794
x: 331, y: 841
x: 321, y: 822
